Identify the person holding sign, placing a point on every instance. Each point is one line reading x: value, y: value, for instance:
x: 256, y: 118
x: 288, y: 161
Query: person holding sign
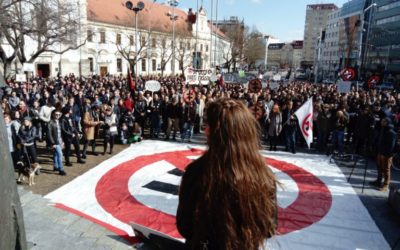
x: 230, y: 184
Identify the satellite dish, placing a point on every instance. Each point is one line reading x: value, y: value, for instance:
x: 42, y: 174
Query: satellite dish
x: 129, y: 5
x: 140, y: 5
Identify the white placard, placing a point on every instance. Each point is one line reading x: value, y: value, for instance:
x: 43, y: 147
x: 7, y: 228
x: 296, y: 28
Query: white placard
x: 153, y: 86
x: 197, y: 76
x: 277, y: 77
x: 28, y: 67
x: 343, y: 87
x: 20, y: 78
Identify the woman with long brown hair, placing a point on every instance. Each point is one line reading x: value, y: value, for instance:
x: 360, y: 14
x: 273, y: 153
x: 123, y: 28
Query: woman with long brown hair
x: 227, y: 197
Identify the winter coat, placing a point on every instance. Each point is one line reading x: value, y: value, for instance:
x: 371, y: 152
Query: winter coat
x: 387, y: 141
x: 89, y: 126
x: 275, y: 124
x: 27, y: 135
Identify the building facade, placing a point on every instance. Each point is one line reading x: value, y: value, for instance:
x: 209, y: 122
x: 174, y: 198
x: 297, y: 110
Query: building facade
x: 330, y: 55
x: 383, y: 56
x: 285, y: 55
x: 112, y: 42
x: 316, y: 20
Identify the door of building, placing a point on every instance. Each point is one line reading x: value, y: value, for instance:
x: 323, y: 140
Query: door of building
x: 103, y: 70
x: 43, y: 70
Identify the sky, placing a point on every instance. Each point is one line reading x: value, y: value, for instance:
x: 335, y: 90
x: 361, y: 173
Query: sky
x: 283, y: 19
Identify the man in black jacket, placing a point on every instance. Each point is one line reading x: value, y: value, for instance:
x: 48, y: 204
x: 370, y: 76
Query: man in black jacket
x: 174, y: 112
x: 70, y: 135
x: 289, y: 128
x: 386, y: 147
x: 55, y: 141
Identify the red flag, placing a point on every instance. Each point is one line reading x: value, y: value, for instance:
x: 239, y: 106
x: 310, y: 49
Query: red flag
x: 131, y: 82
x: 221, y: 80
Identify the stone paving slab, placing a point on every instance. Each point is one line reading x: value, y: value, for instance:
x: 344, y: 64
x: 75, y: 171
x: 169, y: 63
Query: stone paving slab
x: 50, y: 228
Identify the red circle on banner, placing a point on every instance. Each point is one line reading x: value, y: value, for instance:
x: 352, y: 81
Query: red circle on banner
x: 373, y: 81
x: 312, y: 204
x: 348, y: 74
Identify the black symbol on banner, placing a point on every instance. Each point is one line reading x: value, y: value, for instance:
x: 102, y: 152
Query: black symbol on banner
x: 164, y: 187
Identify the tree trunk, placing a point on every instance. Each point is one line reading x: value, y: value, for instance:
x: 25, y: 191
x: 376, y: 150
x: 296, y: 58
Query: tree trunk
x: 12, y: 230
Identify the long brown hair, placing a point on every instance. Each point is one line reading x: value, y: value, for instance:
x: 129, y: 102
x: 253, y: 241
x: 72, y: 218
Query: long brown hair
x: 237, y: 207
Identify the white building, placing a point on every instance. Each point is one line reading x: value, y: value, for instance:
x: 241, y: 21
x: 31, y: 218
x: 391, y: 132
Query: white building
x: 109, y: 30
x: 330, y: 50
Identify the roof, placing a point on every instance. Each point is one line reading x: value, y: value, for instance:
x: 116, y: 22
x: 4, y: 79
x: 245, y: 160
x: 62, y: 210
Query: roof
x: 216, y: 30
x: 153, y: 15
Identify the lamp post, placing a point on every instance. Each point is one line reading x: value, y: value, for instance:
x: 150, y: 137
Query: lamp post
x: 360, y: 58
x: 266, y: 52
x: 173, y: 17
x: 216, y: 33
x: 136, y: 9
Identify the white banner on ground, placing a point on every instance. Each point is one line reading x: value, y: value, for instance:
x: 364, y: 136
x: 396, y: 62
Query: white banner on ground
x: 344, y: 87
x: 305, y: 116
x: 318, y: 209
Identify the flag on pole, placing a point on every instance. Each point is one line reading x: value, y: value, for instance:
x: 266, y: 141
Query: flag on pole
x: 221, y: 80
x: 305, y: 116
x: 131, y: 82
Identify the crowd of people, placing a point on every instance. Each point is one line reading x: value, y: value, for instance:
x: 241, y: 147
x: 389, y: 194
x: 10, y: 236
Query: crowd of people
x: 70, y: 111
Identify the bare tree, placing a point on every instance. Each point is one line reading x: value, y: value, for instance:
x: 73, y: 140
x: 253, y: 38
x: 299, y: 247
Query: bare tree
x: 236, y: 35
x: 254, y: 49
x: 44, y: 23
x: 165, y: 52
x: 183, y: 51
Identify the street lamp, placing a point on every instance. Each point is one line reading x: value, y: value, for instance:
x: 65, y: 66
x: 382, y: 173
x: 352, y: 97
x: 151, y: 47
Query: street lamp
x: 266, y: 52
x: 173, y: 17
x: 362, y: 36
x: 136, y: 9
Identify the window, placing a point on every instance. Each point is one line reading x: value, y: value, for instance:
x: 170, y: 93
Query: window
x: 102, y: 37
x: 181, y: 46
x: 188, y: 46
x: 90, y: 36
x: 207, y: 48
x: 154, y: 64
x: 163, y: 43
x: 118, y: 39
x: 131, y: 40
x: 143, y: 65
x: 143, y: 41
x: 172, y: 66
x: 201, y: 47
x: 153, y: 42
x: 90, y: 64
x: 119, y: 65
x: 388, y: 20
x: 389, y: 6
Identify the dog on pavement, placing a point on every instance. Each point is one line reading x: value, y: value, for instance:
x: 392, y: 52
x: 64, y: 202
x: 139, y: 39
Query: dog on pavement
x: 27, y: 171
